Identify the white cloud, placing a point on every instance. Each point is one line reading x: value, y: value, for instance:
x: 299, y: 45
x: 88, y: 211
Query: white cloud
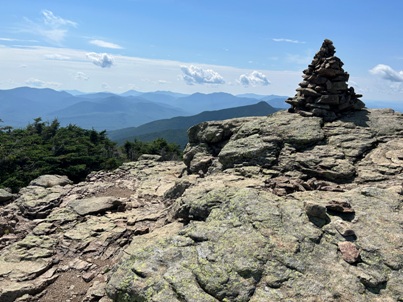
x: 56, y: 56
x: 197, y: 75
x: 388, y: 73
x: 52, y: 28
x: 288, y: 41
x: 105, y: 44
x: 54, y: 21
x: 81, y: 76
x: 8, y: 39
x: 103, y: 60
x: 33, y: 82
x: 145, y: 73
x: 255, y: 78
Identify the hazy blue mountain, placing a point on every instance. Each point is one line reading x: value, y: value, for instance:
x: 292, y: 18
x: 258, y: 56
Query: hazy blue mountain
x: 158, y: 97
x: 199, y: 102
x: 395, y: 105
x: 174, y: 129
x: 20, y: 106
x: 97, y: 95
x: 74, y: 92
x: 277, y: 101
x: 131, y: 93
x: 251, y: 96
x: 173, y: 94
x: 114, y: 112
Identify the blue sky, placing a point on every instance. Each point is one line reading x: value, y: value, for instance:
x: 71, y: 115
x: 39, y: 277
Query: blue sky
x: 254, y: 46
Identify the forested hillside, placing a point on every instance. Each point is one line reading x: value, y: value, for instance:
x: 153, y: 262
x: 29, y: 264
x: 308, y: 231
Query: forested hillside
x: 46, y: 148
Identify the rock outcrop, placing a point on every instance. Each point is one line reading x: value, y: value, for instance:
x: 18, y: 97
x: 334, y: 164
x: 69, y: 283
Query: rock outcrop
x: 324, y: 91
x: 277, y: 208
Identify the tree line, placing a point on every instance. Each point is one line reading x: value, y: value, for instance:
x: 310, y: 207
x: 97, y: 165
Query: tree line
x: 46, y: 148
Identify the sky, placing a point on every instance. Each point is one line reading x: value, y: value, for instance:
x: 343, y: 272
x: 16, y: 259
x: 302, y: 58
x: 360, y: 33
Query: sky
x: 188, y: 46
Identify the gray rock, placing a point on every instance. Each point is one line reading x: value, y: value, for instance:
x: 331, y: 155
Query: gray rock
x: 38, y: 202
x: 48, y: 181
x: 6, y: 195
x: 252, y: 238
x: 277, y: 208
x: 95, y: 205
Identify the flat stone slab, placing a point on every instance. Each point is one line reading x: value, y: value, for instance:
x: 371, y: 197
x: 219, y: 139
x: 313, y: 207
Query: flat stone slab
x: 94, y: 205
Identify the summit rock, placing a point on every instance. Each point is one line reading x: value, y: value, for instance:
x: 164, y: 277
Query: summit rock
x: 275, y: 208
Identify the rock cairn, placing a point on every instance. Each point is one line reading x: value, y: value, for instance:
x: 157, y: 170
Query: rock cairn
x: 324, y: 91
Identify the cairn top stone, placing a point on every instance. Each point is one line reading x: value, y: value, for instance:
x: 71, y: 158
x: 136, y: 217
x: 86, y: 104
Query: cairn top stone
x: 324, y: 91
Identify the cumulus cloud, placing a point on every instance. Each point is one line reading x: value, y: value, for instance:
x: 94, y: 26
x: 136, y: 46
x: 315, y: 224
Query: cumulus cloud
x: 255, y: 78
x: 388, y: 73
x: 197, y: 75
x: 288, y: 41
x: 105, y: 44
x: 32, y: 82
x: 103, y: 60
x: 81, y: 76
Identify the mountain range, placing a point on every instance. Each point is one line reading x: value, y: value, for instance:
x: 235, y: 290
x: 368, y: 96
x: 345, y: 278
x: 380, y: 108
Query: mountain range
x: 175, y: 129
x: 108, y: 111
x: 132, y: 109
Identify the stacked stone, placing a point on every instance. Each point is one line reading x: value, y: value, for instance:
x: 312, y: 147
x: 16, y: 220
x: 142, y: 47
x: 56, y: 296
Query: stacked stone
x: 324, y: 91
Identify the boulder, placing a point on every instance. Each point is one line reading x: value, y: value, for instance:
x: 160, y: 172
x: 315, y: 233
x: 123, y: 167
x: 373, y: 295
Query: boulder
x: 95, y: 205
x: 39, y: 201
x: 6, y: 195
x: 48, y: 181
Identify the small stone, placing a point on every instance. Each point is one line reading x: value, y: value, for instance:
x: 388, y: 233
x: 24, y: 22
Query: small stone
x: 87, y: 277
x: 349, y: 252
x: 344, y: 228
x: 340, y: 206
x: 79, y: 264
x: 315, y: 210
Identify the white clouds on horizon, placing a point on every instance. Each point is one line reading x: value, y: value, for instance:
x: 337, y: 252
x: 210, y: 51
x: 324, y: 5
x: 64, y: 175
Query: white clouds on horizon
x: 105, y: 44
x: 147, y: 74
x: 33, y: 82
x: 103, y: 60
x: 288, y: 40
x: 388, y: 73
x: 197, y: 75
x: 255, y: 78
